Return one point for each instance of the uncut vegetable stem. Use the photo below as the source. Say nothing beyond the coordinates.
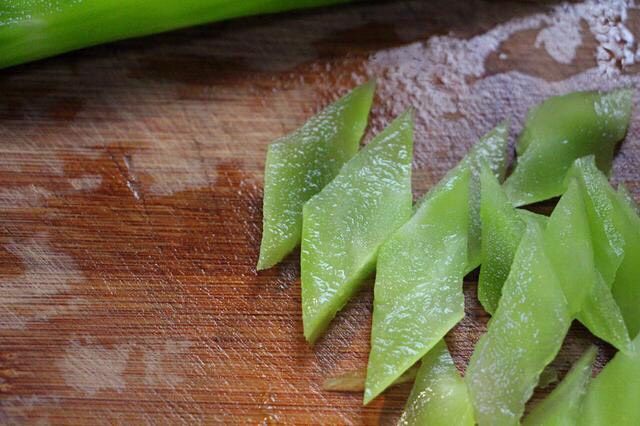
(31, 30)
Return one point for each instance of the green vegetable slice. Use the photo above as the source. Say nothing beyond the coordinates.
(353, 381)
(439, 395)
(532, 217)
(524, 335)
(601, 315)
(626, 290)
(491, 150)
(560, 130)
(608, 241)
(418, 291)
(624, 195)
(616, 250)
(568, 246)
(562, 406)
(502, 229)
(612, 397)
(345, 224)
(299, 165)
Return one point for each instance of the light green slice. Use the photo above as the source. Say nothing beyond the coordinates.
(524, 335)
(439, 396)
(626, 196)
(418, 291)
(299, 165)
(570, 248)
(608, 240)
(602, 316)
(611, 309)
(626, 286)
(613, 396)
(560, 130)
(502, 228)
(490, 150)
(345, 224)
(562, 406)
(568, 245)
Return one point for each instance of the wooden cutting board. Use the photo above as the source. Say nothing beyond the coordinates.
(131, 192)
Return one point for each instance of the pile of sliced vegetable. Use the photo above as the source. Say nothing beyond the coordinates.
(352, 213)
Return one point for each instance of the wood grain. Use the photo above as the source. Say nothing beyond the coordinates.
(130, 212)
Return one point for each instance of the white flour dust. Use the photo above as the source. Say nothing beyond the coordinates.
(91, 368)
(444, 78)
(47, 273)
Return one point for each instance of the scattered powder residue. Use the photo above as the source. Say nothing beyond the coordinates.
(86, 183)
(162, 367)
(617, 47)
(15, 410)
(91, 368)
(444, 79)
(562, 37)
(23, 197)
(27, 297)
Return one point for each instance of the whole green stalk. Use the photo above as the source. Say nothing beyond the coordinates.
(34, 29)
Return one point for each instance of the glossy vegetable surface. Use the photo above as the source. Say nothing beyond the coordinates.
(439, 396)
(626, 286)
(418, 291)
(616, 251)
(626, 197)
(32, 29)
(608, 241)
(562, 406)
(569, 244)
(612, 397)
(524, 335)
(502, 229)
(560, 130)
(299, 165)
(345, 224)
(490, 150)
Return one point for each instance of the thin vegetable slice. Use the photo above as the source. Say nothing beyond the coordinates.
(502, 229)
(490, 150)
(560, 130)
(353, 381)
(602, 316)
(616, 243)
(345, 224)
(626, 288)
(612, 397)
(299, 165)
(418, 291)
(608, 241)
(570, 248)
(562, 406)
(568, 245)
(624, 195)
(439, 395)
(524, 335)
